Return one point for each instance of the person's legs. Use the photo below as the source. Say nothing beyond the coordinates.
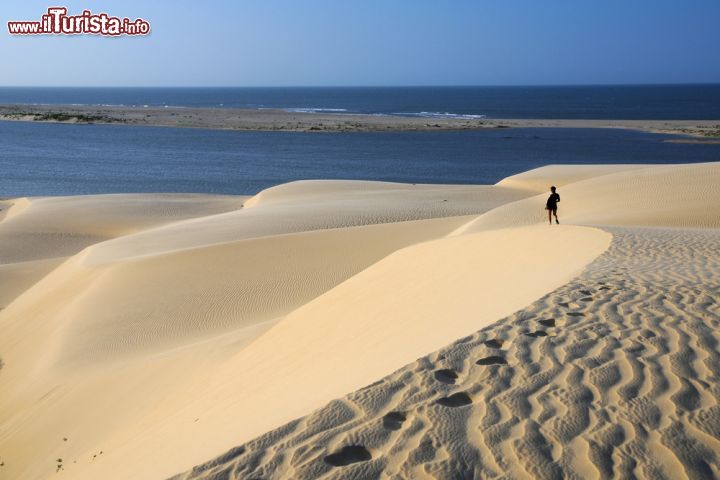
(549, 216)
(556, 219)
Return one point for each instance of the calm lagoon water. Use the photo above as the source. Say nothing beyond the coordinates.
(57, 159)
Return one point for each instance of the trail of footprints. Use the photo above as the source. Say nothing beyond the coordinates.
(613, 375)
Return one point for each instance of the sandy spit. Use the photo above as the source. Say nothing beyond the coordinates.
(281, 120)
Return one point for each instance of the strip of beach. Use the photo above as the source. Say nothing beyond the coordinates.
(354, 330)
(283, 120)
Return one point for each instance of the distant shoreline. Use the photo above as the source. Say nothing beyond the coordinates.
(281, 120)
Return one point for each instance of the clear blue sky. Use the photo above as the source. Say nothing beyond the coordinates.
(374, 42)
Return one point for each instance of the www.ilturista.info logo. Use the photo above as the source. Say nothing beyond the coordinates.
(57, 22)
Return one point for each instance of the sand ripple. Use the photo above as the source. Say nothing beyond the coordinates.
(612, 375)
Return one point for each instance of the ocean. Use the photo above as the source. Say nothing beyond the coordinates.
(58, 159)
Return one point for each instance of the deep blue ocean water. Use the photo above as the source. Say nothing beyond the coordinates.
(58, 159)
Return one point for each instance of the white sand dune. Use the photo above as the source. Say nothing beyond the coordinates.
(116, 311)
(143, 335)
(17, 277)
(312, 205)
(51, 227)
(37, 234)
(548, 395)
(540, 179)
(163, 291)
(668, 196)
(613, 375)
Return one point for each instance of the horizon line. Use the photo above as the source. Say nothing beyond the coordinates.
(548, 85)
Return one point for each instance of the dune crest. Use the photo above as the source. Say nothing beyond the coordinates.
(144, 334)
(609, 376)
(113, 293)
(540, 179)
(661, 196)
(12, 207)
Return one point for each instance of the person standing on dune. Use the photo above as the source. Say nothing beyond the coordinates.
(551, 205)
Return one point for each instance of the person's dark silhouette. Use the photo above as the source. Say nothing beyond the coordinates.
(551, 205)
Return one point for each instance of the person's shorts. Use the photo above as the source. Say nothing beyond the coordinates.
(552, 209)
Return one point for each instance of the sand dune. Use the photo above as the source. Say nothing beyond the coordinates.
(540, 179)
(61, 226)
(143, 335)
(210, 400)
(116, 312)
(311, 205)
(602, 378)
(172, 297)
(667, 196)
(38, 234)
(613, 375)
(15, 278)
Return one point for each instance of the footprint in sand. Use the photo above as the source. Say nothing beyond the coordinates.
(586, 299)
(495, 343)
(648, 334)
(586, 292)
(550, 322)
(455, 400)
(575, 314)
(492, 360)
(394, 420)
(348, 455)
(446, 376)
(537, 333)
